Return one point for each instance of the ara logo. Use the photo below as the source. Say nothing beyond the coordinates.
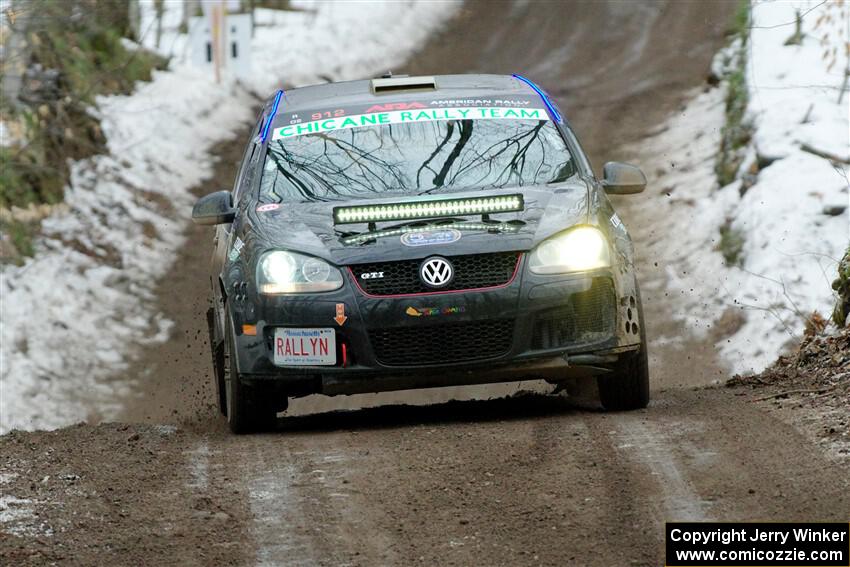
(395, 106)
(371, 275)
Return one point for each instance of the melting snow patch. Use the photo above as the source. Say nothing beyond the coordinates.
(18, 518)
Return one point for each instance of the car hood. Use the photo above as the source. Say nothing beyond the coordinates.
(309, 227)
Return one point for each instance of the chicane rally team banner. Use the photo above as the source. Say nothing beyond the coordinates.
(404, 113)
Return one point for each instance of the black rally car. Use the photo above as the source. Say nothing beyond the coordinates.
(408, 232)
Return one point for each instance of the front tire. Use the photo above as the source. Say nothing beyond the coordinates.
(217, 348)
(248, 410)
(627, 388)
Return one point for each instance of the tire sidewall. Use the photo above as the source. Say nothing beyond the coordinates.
(232, 387)
(628, 387)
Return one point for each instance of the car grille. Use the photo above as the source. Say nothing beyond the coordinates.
(472, 271)
(435, 344)
(587, 317)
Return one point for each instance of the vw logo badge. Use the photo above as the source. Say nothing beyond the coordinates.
(436, 272)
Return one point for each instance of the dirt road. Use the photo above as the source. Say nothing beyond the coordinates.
(519, 481)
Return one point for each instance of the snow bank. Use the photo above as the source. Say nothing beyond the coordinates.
(72, 315)
(791, 246)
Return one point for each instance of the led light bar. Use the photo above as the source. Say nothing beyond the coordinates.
(428, 209)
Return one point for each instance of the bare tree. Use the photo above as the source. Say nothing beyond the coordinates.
(159, 9)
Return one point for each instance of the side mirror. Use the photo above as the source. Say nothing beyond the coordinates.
(215, 208)
(622, 179)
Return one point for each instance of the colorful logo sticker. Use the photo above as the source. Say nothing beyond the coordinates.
(434, 311)
(430, 237)
(268, 207)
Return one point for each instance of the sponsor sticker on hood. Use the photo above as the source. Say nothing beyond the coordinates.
(430, 237)
(268, 207)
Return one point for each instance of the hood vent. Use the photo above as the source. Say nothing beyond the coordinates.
(401, 84)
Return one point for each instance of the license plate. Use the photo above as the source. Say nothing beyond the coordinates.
(304, 347)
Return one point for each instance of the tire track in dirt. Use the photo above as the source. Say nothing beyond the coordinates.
(525, 480)
(274, 508)
(444, 484)
(651, 448)
(116, 494)
(305, 509)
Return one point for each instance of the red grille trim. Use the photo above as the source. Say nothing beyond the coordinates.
(396, 295)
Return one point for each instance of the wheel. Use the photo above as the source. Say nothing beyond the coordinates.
(627, 388)
(248, 409)
(217, 350)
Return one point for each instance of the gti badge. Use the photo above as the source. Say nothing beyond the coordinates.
(371, 275)
(436, 272)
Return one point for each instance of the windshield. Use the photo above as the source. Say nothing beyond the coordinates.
(415, 158)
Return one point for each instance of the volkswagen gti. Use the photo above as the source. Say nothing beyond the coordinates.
(411, 232)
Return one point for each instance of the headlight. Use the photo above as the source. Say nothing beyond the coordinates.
(289, 272)
(579, 249)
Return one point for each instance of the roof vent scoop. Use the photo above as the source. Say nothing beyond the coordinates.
(401, 83)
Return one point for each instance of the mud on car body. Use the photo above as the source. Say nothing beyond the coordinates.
(409, 232)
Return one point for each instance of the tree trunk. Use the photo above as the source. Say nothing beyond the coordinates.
(159, 8)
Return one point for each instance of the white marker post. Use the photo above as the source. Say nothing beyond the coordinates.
(221, 40)
(218, 32)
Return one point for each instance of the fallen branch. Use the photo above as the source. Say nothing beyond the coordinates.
(789, 392)
(828, 391)
(825, 155)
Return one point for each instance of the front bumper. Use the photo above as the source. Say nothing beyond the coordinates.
(552, 327)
